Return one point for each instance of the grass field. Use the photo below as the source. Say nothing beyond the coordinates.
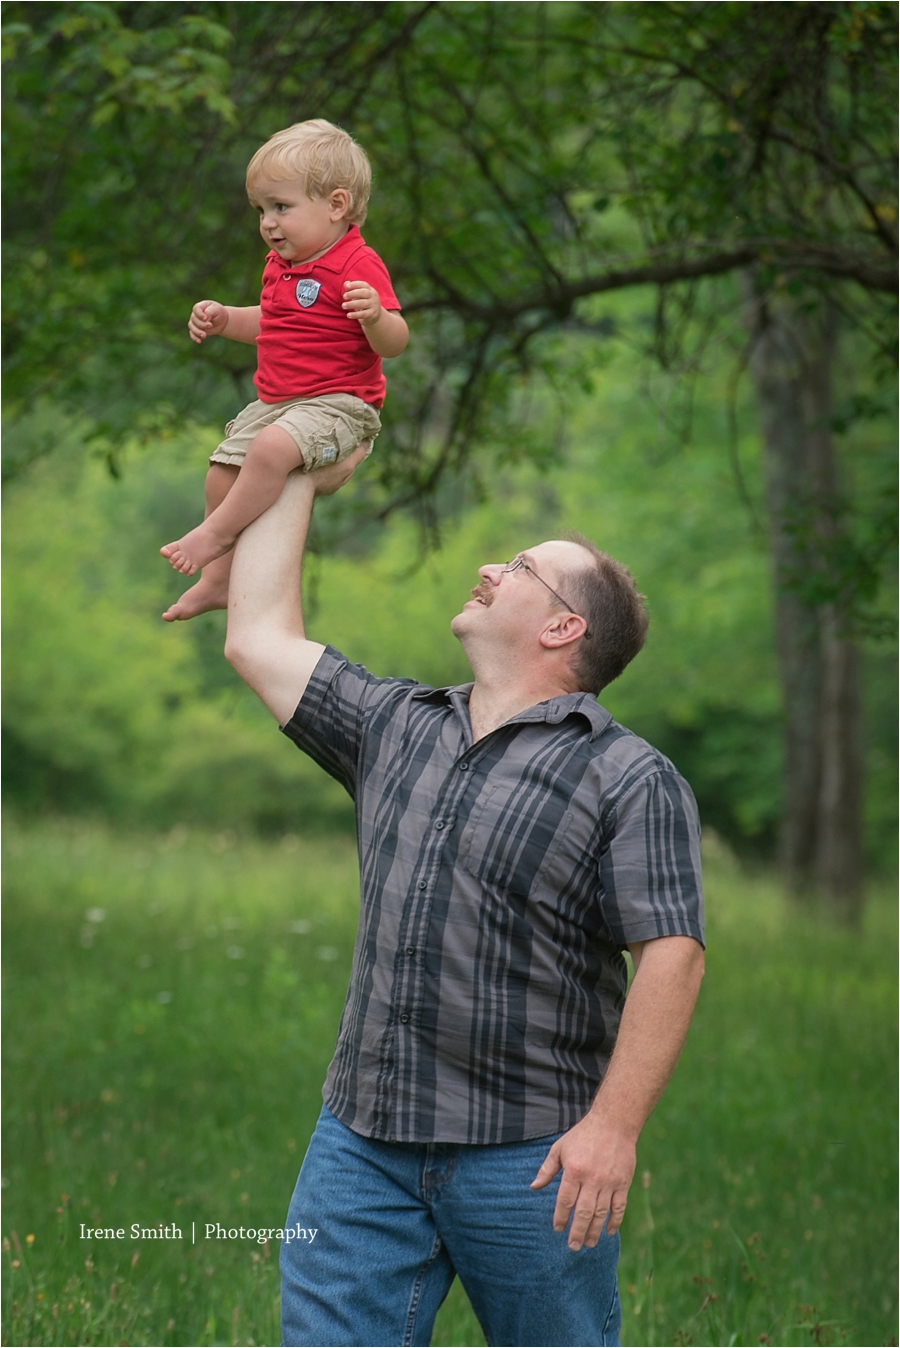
(171, 1006)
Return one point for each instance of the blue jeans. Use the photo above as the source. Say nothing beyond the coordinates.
(395, 1221)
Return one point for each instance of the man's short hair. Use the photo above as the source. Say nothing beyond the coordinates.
(605, 595)
(321, 157)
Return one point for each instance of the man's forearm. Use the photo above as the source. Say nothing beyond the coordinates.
(266, 642)
(598, 1155)
(652, 1032)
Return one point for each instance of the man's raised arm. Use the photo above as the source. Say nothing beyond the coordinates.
(266, 642)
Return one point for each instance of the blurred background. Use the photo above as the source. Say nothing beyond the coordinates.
(647, 254)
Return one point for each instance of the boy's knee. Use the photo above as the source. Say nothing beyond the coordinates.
(275, 448)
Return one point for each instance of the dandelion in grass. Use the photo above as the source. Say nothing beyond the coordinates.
(163, 998)
(327, 952)
(301, 927)
(235, 952)
(144, 961)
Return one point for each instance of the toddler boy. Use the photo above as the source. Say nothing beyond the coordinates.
(327, 314)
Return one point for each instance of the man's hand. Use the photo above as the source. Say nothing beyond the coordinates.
(208, 319)
(598, 1167)
(597, 1156)
(330, 479)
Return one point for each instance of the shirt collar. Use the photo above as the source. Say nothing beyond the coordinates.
(334, 260)
(553, 712)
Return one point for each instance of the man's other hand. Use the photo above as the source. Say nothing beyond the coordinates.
(329, 480)
(598, 1167)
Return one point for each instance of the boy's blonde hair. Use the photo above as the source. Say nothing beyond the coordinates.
(321, 157)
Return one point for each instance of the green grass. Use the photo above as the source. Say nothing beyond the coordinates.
(164, 1063)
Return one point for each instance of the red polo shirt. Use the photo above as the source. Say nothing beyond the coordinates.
(307, 346)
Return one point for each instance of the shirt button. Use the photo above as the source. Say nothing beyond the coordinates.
(423, 884)
(410, 950)
(404, 1019)
(463, 767)
(439, 824)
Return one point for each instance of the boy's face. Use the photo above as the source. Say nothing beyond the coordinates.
(299, 228)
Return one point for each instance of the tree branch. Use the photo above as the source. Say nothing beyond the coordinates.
(560, 298)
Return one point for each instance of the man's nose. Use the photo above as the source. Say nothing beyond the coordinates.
(491, 572)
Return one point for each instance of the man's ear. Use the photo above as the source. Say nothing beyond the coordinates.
(563, 631)
(339, 202)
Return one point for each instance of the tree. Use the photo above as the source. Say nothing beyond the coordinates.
(530, 159)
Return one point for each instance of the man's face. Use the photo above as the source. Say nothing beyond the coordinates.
(514, 607)
(298, 228)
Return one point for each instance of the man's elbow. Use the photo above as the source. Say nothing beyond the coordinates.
(240, 655)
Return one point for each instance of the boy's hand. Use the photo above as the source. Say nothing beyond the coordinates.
(208, 319)
(384, 329)
(361, 302)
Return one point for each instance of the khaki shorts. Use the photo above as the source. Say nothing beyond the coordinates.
(325, 429)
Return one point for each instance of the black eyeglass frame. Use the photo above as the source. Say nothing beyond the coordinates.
(520, 564)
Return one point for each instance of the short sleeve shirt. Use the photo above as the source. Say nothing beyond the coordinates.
(307, 346)
(500, 883)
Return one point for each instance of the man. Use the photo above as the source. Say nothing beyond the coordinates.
(514, 840)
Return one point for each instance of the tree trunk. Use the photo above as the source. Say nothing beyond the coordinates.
(821, 837)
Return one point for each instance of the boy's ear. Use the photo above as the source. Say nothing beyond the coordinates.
(339, 201)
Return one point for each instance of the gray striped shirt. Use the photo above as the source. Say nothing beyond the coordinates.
(500, 882)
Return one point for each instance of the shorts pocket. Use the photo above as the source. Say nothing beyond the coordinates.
(337, 442)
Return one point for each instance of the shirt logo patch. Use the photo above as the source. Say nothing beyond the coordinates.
(308, 292)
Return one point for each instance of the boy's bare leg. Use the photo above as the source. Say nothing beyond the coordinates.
(270, 458)
(211, 590)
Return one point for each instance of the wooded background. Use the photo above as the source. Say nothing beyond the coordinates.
(648, 256)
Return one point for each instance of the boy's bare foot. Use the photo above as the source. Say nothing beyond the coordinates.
(200, 598)
(197, 549)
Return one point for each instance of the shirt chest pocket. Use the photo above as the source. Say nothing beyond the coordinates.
(510, 847)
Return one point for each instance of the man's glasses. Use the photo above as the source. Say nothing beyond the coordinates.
(520, 564)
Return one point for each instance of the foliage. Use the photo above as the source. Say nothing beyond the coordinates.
(102, 714)
(171, 1005)
(528, 157)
